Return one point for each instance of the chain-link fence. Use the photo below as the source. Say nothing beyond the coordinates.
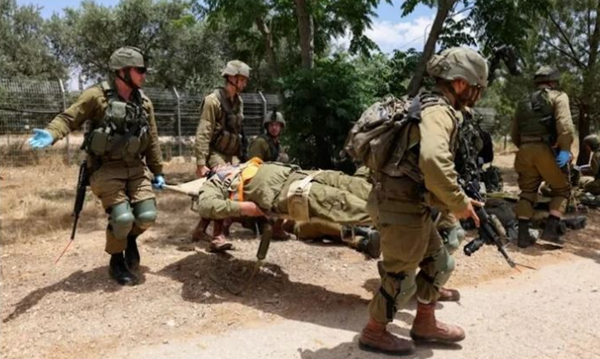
(28, 104)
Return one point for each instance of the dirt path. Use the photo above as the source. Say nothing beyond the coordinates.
(551, 313)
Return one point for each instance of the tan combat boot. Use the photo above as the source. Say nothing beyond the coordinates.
(218, 242)
(375, 338)
(426, 328)
(200, 231)
(449, 295)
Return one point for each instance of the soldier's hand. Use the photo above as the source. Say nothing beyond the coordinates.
(469, 212)
(40, 139)
(250, 209)
(202, 171)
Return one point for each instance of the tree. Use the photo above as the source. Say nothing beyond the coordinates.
(570, 37)
(24, 51)
(177, 46)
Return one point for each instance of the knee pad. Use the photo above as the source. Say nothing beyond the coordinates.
(397, 289)
(453, 237)
(121, 219)
(438, 268)
(145, 213)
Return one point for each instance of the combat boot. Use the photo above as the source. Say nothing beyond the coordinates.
(118, 270)
(426, 328)
(370, 244)
(375, 338)
(552, 231)
(449, 295)
(218, 242)
(525, 238)
(132, 254)
(200, 231)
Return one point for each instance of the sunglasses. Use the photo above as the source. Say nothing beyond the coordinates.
(140, 70)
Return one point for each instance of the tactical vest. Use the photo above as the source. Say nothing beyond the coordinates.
(274, 148)
(227, 135)
(123, 133)
(469, 144)
(535, 116)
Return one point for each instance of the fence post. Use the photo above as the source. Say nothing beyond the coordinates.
(179, 135)
(264, 100)
(64, 107)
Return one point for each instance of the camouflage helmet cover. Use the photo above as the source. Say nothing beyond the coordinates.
(236, 67)
(592, 141)
(274, 117)
(127, 56)
(546, 74)
(459, 63)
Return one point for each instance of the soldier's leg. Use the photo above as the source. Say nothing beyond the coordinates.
(561, 192)
(529, 182)
(452, 235)
(335, 205)
(109, 184)
(358, 186)
(436, 268)
(143, 203)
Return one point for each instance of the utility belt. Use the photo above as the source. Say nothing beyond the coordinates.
(227, 143)
(297, 198)
(535, 139)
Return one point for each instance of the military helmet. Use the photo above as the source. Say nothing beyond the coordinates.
(593, 141)
(127, 56)
(459, 63)
(236, 67)
(274, 116)
(546, 74)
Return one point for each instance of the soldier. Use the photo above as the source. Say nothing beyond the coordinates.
(266, 146)
(401, 207)
(542, 129)
(255, 188)
(219, 138)
(123, 149)
(592, 185)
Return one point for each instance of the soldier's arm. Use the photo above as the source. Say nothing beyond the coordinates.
(210, 111)
(564, 123)
(153, 153)
(594, 165)
(87, 107)
(214, 204)
(514, 132)
(259, 148)
(436, 160)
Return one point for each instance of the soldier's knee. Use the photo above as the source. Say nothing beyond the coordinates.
(397, 289)
(453, 237)
(145, 213)
(442, 265)
(121, 219)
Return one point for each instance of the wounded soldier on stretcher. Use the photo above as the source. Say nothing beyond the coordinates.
(321, 201)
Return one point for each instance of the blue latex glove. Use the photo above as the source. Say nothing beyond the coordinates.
(562, 158)
(158, 182)
(40, 139)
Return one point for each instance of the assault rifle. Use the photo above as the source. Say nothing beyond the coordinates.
(83, 180)
(489, 233)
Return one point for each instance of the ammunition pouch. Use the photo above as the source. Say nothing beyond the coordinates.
(228, 143)
(297, 199)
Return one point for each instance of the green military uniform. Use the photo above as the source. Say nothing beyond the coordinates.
(402, 200)
(330, 196)
(123, 176)
(265, 146)
(219, 134)
(591, 184)
(535, 161)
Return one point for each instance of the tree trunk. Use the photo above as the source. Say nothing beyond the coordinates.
(589, 83)
(270, 51)
(306, 33)
(444, 7)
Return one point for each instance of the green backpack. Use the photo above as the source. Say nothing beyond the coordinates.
(374, 136)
